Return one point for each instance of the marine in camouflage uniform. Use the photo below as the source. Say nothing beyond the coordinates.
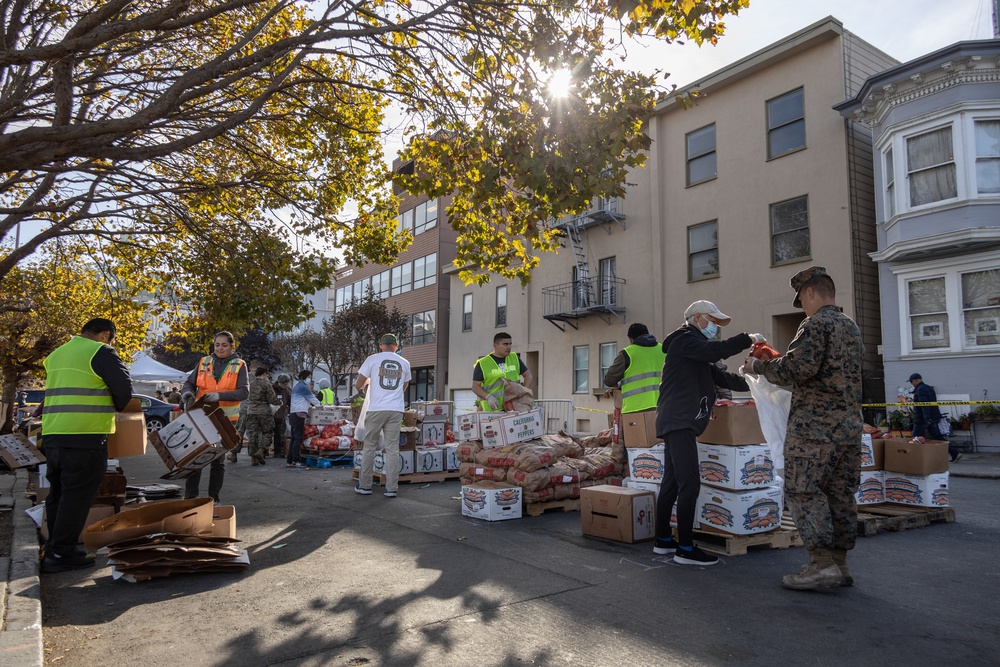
(259, 419)
(822, 445)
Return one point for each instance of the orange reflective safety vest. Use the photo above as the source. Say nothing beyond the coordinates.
(207, 383)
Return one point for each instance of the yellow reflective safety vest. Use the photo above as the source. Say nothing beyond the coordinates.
(493, 377)
(77, 400)
(326, 396)
(207, 383)
(641, 383)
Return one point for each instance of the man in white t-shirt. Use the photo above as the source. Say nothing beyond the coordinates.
(387, 375)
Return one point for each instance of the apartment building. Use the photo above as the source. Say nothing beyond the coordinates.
(936, 132)
(760, 179)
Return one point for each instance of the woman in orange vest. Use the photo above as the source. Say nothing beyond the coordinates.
(221, 378)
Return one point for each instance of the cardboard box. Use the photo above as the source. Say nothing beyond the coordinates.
(17, 451)
(733, 425)
(224, 521)
(920, 490)
(187, 517)
(130, 437)
(328, 414)
(409, 437)
(410, 418)
(642, 485)
(639, 428)
(740, 512)
(871, 491)
(616, 513)
(98, 512)
(428, 459)
(405, 462)
(735, 468)
(491, 501)
(914, 458)
(194, 440)
(467, 426)
(872, 453)
(431, 433)
(510, 428)
(646, 464)
(357, 459)
(434, 411)
(450, 456)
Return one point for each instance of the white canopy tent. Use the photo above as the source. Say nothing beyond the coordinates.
(146, 369)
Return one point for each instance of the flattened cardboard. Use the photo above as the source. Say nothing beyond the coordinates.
(16, 451)
(620, 514)
(129, 437)
(733, 425)
(911, 458)
(189, 517)
(639, 429)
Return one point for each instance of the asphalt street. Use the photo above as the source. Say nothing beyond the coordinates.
(342, 579)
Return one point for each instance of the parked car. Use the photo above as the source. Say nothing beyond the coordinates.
(157, 412)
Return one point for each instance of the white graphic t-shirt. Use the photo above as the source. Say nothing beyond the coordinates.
(387, 373)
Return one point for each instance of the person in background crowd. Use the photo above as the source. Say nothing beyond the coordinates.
(159, 396)
(302, 398)
(86, 384)
(259, 418)
(325, 394)
(22, 404)
(489, 372)
(636, 370)
(221, 378)
(284, 394)
(687, 394)
(822, 452)
(387, 375)
(174, 396)
(926, 419)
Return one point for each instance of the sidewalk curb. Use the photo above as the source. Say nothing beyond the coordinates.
(976, 475)
(21, 633)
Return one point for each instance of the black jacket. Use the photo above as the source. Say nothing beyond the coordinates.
(687, 389)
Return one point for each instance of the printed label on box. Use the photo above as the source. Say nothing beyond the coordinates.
(646, 464)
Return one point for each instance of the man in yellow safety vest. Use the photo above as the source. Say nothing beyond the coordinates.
(489, 372)
(637, 370)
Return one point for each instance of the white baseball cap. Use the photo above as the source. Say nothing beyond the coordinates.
(706, 308)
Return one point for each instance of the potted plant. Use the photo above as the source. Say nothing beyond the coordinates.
(961, 423)
(986, 413)
(901, 423)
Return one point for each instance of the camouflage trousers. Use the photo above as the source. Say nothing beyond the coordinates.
(821, 480)
(260, 429)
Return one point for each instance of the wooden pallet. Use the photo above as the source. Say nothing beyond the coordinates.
(727, 544)
(871, 518)
(568, 505)
(413, 477)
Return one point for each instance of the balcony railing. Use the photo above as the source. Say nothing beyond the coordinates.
(601, 211)
(580, 298)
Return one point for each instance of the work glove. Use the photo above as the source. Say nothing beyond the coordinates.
(609, 392)
(748, 366)
(493, 401)
(758, 338)
(212, 397)
(187, 398)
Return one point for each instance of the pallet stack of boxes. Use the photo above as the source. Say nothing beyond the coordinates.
(915, 474)
(506, 460)
(329, 434)
(426, 441)
(871, 489)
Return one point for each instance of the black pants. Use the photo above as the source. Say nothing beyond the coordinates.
(279, 437)
(298, 425)
(931, 431)
(74, 477)
(681, 482)
(216, 474)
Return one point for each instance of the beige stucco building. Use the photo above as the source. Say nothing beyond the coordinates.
(761, 178)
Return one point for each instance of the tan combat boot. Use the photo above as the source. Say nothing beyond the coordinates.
(840, 558)
(821, 572)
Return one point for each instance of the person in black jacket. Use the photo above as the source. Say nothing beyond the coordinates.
(687, 394)
(927, 418)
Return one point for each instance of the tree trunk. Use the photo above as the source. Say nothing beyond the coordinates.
(9, 398)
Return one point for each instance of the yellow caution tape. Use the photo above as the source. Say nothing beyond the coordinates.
(607, 412)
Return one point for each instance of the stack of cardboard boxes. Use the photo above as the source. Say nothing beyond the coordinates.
(426, 441)
(902, 472)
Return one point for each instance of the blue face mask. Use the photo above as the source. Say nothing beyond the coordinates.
(710, 330)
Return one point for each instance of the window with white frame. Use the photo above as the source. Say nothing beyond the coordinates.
(890, 186)
(930, 167)
(380, 284)
(786, 124)
(402, 278)
(425, 271)
(608, 353)
(405, 221)
(701, 163)
(422, 327)
(425, 216)
(988, 157)
(703, 250)
(466, 312)
(581, 369)
(501, 320)
(952, 308)
(790, 231)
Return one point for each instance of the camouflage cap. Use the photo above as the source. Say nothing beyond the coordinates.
(803, 276)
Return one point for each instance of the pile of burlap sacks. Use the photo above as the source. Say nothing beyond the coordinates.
(553, 467)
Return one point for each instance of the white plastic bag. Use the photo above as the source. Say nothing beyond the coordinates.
(359, 428)
(773, 404)
(945, 427)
